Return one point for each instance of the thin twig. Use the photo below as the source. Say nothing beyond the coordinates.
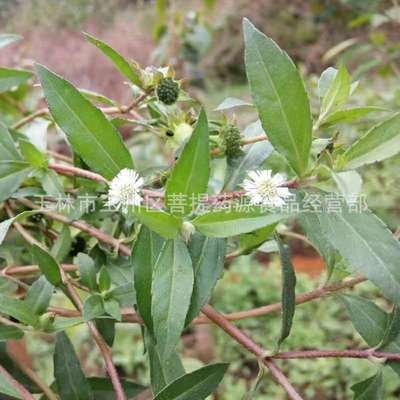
(23, 232)
(30, 118)
(30, 373)
(309, 354)
(81, 225)
(254, 139)
(253, 347)
(25, 394)
(101, 344)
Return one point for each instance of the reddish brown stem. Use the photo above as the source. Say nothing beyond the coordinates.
(17, 386)
(309, 354)
(253, 347)
(101, 344)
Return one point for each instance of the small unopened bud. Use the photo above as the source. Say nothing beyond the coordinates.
(187, 230)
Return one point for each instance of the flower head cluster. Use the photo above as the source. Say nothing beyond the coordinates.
(266, 189)
(125, 190)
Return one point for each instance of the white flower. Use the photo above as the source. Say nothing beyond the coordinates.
(266, 189)
(125, 190)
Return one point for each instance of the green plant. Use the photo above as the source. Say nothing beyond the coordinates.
(138, 231)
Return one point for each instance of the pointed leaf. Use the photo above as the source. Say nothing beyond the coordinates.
(208, 264)
(71, 382)
(162, 371)
(382, 141)
(12, 77)
(103, 389)
(8, 389)
(87, 271)
(368, 245)
(230, 223)
(91, 135)
(12, 174)
(349, 115)
(8, 151)
(288, 297)
(6, 224)
(39, 295)
(17, 309)
(189, 177)
(10, 333)
(93, 307)
(171, 292)
(194, 386)
(123, 65)
(144, 256)
(369, 389)
(48, 265)
(161, 222)
(280, 97)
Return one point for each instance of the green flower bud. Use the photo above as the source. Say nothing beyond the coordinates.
(231, 139)
(168, 91)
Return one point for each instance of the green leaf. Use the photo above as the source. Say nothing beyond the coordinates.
(32, 154)
(93, 307)
(62, 245)
(12, 174)
(71, 382)
(106, 327)
(17, 309)
(10, 333)
(382, 141)
(104, 280)
(172, 288)
(87, 271)
(368, 245)
(111, 307)
(51, 184)
(349, 184)
(194, 386)
(280, 97)
(159, 221)
(225, 223)
(6, 224)
(103, 389)
(8, 151)
(126, 68)
(311, 225)
(337, 94)
(190, 175)
(144, 255)
(349, 115)
(325, 80)
(97, 97)
(39, 295)
(252, 240)
(48, 265)
(370, 322)
(8, 389)
(370, 388)
(91, 135)
(10, 78)
(162, 371)
(8, 38)
(288, 297)
(392, 328)
(207, 256)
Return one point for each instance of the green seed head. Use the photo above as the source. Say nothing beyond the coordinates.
(168, 91)
(231, 138)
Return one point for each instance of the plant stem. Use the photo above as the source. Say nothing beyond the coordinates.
(309, 354)
(20, 389)
(101, 344)
(254, 139)
(253, 347)
(30, 117)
